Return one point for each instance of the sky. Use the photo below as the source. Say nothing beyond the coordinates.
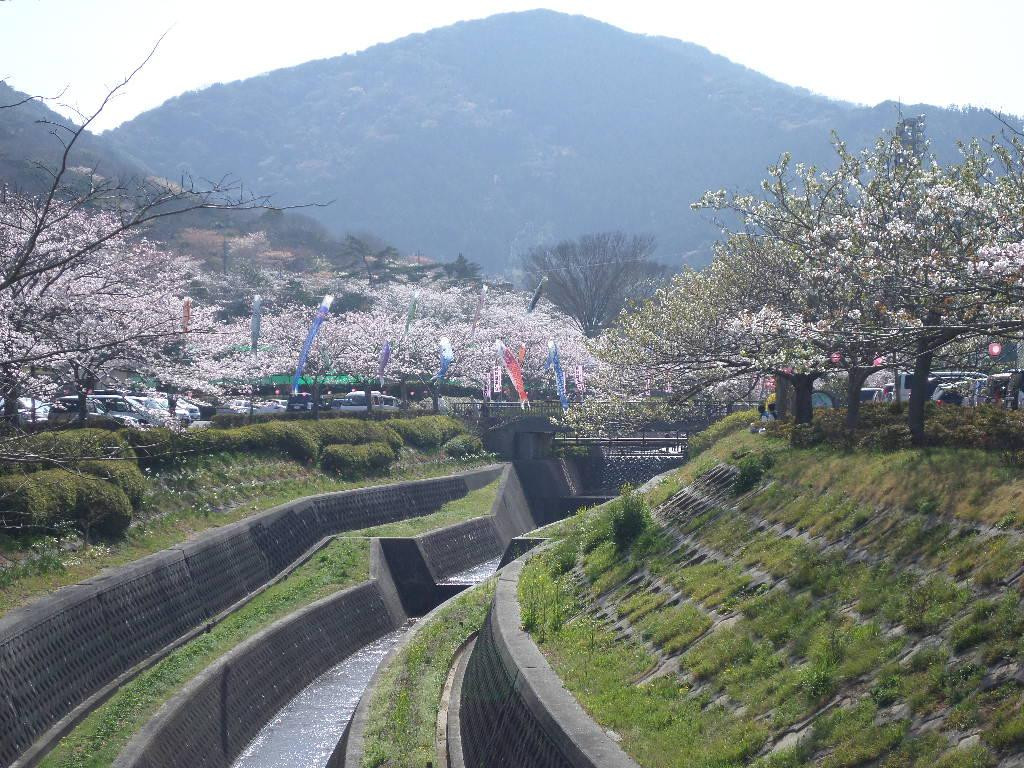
(941, 52)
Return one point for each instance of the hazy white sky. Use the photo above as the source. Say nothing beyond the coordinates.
(941, 52)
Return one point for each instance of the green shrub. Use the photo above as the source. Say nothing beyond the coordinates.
(427, 431)
(356, 461)
(126, 475)
(751, 469)
(461, 446)
(630, 516)
(103, 507)
(734, 422)
(293, 440)
(65, 447)
(894, 437)
(53, 497)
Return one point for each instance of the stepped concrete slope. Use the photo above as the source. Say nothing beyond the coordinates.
(209, 722)
(65, 653)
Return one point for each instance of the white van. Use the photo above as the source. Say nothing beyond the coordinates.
(356, 401)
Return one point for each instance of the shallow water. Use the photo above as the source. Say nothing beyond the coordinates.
(474, 575)
(305, 732)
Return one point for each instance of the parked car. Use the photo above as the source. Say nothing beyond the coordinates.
(122, 405)
(871, 394)
(356, 401)
(30, 409)
(234, 406)
(66, 409)
(303, 401)
(184, 411)
(159, 414)
(270, 406)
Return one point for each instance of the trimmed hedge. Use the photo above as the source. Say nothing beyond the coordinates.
(67, 446)
(883, 427)
(300, 440)
(51, 497)
(357, 461)
(427, 431)
(126, 475)
(461, 446)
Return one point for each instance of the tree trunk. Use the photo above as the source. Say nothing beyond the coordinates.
(434, 396)
(316, 399)
(919, 392)
(405, 393)
(803, 388)
(856, 379)
(83, 406)
(368, 389)
(781, 397)
(1014, 390)
(11, 403)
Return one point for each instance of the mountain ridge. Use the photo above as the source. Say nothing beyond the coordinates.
(488, 137)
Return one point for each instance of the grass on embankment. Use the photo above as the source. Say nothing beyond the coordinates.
(882, 630)
(204, 493)
(341, 564)
(403, 711)
(101, 736)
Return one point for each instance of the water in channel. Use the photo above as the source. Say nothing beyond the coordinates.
(304, 733)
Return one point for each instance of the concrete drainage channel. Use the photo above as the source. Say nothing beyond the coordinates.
(337, 642)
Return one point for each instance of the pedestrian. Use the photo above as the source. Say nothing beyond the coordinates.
(771, 412)
(172, 404)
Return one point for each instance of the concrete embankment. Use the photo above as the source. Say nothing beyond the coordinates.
(62, 655)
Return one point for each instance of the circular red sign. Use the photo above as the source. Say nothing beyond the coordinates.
(995, 349)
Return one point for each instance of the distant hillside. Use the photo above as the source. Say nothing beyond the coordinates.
(490, 136)
(28, 137)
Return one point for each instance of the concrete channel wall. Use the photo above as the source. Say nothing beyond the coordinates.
(63, 652)
(209, 722)
(513, 710)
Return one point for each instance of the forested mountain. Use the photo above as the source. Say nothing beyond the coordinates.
(490, 136)
(29, 136)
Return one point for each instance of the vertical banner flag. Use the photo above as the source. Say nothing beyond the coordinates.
(382, 361)
(580, 385)
(515, 373)
(412, 311)
(496, 380)
(186, 314)
(447, 357)
(479, 309)
(321, 314)
(537, 293)
(257, 319)
(485, 387)
(554, 363)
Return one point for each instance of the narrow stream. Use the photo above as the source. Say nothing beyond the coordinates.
(304, 733)
(474, 575)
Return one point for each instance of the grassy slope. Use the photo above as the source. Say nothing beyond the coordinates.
(343, 563)
(403, 711)
(855, 601)
(182, 501)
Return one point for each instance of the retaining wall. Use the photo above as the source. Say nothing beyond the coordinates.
(63, 651)
(212, 719)
(513, 710)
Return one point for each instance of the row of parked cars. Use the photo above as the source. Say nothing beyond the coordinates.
(130, 409)
(154, 408)
(947, 388)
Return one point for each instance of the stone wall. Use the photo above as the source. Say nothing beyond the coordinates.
(514, 711)
(65, 651)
